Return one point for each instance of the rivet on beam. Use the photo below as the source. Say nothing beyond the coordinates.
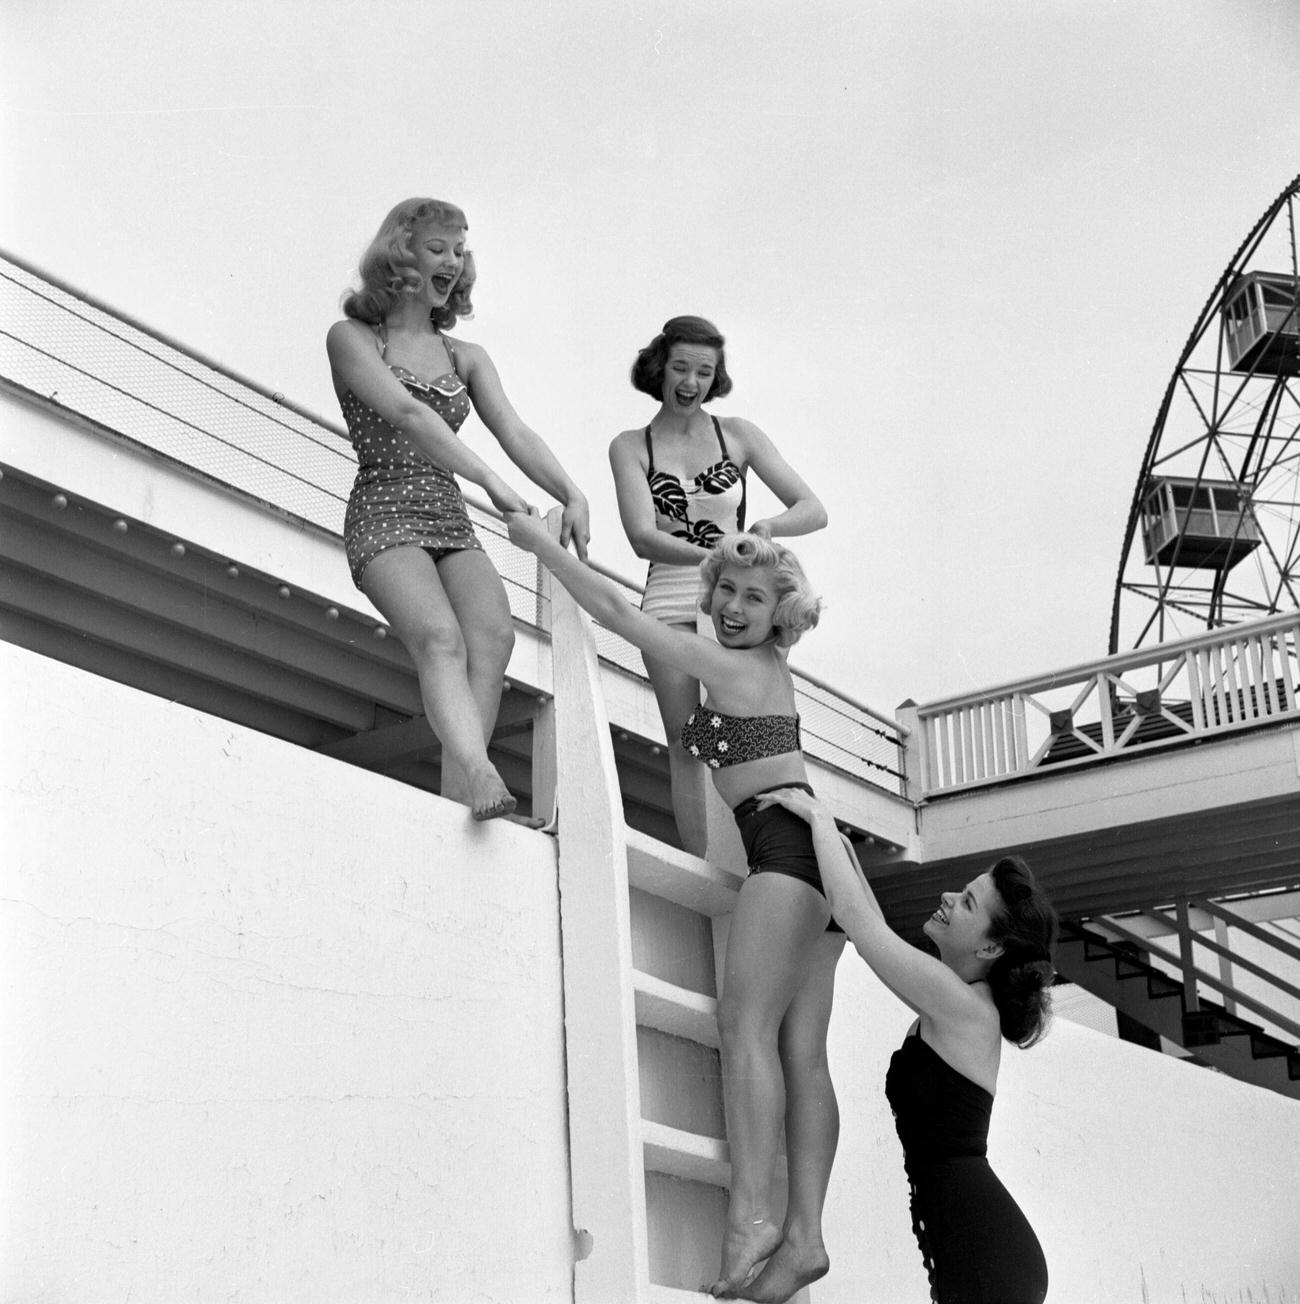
(233, 571)
(622, 737)
(178, 549)
(331, 613)
(284, 591)
(380, 632)
(60, 501)
(506, 686)
(120, 526)
(656, 750)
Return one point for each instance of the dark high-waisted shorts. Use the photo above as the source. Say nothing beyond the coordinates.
(777, 841)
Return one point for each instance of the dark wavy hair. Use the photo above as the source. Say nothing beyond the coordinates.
(652, 361)
(387, 268)
(1025, 924)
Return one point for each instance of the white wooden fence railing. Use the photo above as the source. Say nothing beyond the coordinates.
(1238, 677)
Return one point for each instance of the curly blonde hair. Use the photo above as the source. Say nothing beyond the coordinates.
(387, 268)
(798, 608)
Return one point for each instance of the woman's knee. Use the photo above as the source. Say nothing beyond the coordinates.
(490, 643)
(745, 1023)
(435, 642)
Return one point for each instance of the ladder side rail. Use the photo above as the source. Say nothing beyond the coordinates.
(607, 1175)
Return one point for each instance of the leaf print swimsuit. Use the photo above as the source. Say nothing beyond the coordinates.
(399, 496)
(701, 511)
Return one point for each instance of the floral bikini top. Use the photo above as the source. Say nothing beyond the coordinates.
(710, 505)
(718, 740)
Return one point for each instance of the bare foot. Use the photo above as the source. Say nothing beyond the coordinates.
(744, 1247)
(789, 1270)
(527, 821)
(488, 796)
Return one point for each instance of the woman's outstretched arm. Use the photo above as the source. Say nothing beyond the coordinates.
(919, 980)
(601, 598)
(524, 446)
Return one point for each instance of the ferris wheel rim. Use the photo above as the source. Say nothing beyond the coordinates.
(1213, 305)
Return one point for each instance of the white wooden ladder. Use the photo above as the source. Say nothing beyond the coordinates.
(643, 926)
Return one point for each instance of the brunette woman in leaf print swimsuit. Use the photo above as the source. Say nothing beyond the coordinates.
(405, 388)
(681, 487)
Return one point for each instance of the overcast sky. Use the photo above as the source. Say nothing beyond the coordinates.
(956, 246)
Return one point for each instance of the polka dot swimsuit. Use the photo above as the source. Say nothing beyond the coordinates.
(399, 496)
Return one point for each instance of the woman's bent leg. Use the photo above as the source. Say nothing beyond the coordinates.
(678, 695)
(404, 584)
(774, 928)
(812, 1129)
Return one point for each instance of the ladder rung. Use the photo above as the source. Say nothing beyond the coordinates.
(666, 872)
(672, 1295)
(675, 1010)
(685, 1154)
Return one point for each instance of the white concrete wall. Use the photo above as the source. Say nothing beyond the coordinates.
(1148, 1180)
(275, 1029)
(279, 1030)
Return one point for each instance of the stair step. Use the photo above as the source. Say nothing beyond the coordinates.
(664, 871)
(1264, 1045)
(675, 1010)
(1200, 1028)
(1160, 986)
(685, 1154)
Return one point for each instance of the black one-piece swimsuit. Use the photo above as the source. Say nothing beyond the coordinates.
(977, 1245)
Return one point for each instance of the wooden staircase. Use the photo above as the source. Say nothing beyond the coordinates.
(1107, 958)
(643, 932)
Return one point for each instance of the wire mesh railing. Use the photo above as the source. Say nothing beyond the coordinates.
(64, 347)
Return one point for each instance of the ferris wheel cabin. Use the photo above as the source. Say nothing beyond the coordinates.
(1204, 523)
(1261, 324)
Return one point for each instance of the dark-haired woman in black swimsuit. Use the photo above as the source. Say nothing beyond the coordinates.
(681, 487)
(779, 975)
(990, 982)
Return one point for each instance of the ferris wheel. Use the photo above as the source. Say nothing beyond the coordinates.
(1213, 535)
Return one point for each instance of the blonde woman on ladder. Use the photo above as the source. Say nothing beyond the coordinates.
(779, 976)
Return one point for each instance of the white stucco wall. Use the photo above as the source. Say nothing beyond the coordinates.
(279, 1030)
(274, 1029)
(1148, 1180)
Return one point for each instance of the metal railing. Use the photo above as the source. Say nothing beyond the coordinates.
(68, 349)
(1225, 680)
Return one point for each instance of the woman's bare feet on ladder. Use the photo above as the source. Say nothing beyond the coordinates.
(488, 795)
(792, 1267)
(744, 1247)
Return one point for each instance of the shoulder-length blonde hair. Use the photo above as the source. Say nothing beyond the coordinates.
(798, 608)
(387, 268)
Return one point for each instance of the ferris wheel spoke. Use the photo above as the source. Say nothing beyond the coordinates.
(1213, 534)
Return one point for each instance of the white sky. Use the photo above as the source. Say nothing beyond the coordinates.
(956, 246)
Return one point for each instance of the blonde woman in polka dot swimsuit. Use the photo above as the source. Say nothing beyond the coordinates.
(405, 388)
